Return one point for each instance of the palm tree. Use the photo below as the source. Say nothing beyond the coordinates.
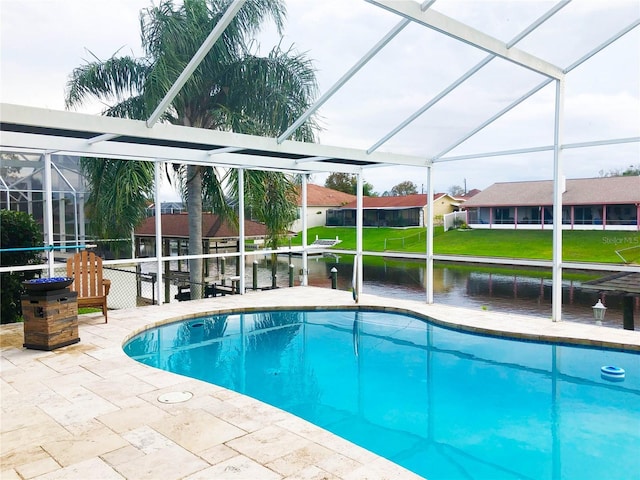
(118, 186)
(274, 202)
(232, 89)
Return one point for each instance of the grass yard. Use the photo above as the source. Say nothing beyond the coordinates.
(580, 246)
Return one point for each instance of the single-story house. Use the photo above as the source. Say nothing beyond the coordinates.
(175, 233)
(607, 203)
(319, 201)
(400, 211)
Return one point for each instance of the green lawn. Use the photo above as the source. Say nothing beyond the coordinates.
(581, 246)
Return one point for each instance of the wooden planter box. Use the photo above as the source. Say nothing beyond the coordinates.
(50, 319)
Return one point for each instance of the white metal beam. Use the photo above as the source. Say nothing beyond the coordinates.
(101, 138)
(305, 257)
(472, 71)
(488, 122)
(344, 79)
(48, 213)
(218, 151)
(464, 33)
(600, 143)
(430, 210)
(311, 159)
(546, 148)
(558, 190)
(602, 46)
(515, 151)
(68, 146)
(426, 4)
(157, 179)
(195, 61)
(91, 125)
(357, 264)
(242, 257)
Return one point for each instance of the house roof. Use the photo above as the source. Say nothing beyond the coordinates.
(580, 191)
(468, 195)
(417, 200)
(318, 196)
(176, 225)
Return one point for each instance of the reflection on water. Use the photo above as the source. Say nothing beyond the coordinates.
(528, 294)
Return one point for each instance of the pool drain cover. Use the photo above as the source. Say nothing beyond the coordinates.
(175, 397)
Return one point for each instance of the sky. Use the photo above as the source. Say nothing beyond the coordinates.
(42, 41)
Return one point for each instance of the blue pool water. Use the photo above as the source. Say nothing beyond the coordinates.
(442, 403)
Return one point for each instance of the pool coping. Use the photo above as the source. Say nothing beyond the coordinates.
(88, 410)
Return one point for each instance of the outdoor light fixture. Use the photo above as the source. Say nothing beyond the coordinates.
(598, 312)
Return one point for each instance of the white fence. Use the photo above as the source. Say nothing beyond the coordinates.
(451, 220)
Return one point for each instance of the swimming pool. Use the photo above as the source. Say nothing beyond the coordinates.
(442, 403)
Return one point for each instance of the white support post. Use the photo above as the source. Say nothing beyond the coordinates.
(305, 258)
(157, 166)
(429, 266)
(242, 256)
(556, 294)
(359, 224)
(29, 196)
(62, 227)
(8, 195)
(82, 234)
(75, 218)
(48, 209)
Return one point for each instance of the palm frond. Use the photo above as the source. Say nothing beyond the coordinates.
(120, 191)
(113, 80)
(215, 184)
(273, 200)
(267, 94)
(232, 89)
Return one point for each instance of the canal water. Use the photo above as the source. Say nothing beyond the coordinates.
(500, 290)
(521, 291)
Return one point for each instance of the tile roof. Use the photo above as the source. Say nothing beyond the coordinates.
(581, 191)
(318, 196)
(417, 200)
(466, 196)
(177, 226)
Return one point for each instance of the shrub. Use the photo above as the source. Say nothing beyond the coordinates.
(17, 229)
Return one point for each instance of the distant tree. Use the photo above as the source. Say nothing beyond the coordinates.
(630, 171)
(348, 183)
(456, 190)
(342, 182)
(367, 190)
(404, 188)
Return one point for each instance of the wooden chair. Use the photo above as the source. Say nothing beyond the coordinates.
(86, 270)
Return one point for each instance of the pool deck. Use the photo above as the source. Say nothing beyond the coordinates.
(87, 411)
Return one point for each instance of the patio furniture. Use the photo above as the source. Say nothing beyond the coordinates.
(50, 313)
(86, 270)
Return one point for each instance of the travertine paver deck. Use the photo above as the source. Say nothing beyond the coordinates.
(88, 411)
